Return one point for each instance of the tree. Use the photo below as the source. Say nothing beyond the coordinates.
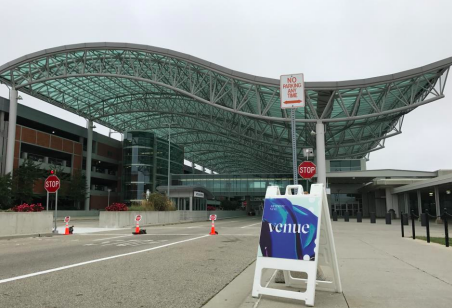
(161, 202)
(76, 190)
(23, 181)
(5, 191)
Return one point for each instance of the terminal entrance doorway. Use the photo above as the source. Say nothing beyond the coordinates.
(351, 207)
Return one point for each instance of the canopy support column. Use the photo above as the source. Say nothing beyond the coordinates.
(438, 206)
(89, 151)
(320, 152)
(11, 131)
(419, 203)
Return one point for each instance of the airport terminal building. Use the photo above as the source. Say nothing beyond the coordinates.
(224, 120)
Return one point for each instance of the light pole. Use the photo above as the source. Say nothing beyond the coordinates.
(169, 158)
(108, 202)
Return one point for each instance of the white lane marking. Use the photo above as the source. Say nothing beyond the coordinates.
(96, 260)
(94, 234)
(197, 227)
(260, 296)
(232, 234)
(109, 238)
(250, 225)
(169, 234)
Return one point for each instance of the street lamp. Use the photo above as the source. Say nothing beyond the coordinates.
(169, 157)
(108, 202)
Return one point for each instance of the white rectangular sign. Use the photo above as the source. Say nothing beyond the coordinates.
(198, 194)
(292, 91)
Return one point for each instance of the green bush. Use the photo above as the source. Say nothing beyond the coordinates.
(156, 202)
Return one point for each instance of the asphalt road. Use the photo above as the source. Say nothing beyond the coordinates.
(171, 266)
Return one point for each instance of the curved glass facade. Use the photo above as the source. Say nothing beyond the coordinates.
(145, 162)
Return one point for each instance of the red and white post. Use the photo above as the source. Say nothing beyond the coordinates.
(137, 226)
(66, 220)
(212, 230)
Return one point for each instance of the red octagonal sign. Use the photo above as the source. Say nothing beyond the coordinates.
(52, 184)
(306, 169)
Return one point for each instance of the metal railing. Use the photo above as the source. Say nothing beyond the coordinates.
(427, 216)
(404, 218)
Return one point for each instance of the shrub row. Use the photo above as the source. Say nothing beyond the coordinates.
(28, 208)
(117, 207)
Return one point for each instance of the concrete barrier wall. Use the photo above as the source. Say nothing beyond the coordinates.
(13, 223)
(127, 219)
(77, 213)
(228, 214)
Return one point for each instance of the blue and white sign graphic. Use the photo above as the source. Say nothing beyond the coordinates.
(289, 228)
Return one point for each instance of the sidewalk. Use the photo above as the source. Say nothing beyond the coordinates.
(378, 268)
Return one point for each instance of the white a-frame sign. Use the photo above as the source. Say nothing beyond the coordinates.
(296, 236)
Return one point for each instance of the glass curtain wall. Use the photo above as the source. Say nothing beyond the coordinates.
(146, 163)
(176, 165)
(138, 148)
(234, 184)
(345, 165)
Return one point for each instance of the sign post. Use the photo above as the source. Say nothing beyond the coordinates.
(212, 229)
(292, 96)
(66, 220)
(307, 169)
(307, 152)
(51, 185)
(137, 226)
(296, 236)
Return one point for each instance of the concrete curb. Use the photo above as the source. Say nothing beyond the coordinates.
(237, 294)
(12, 237)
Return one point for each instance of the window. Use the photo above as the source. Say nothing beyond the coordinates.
(345, 165)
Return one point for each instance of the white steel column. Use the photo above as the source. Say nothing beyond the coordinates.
(11, 131)
(89, 151)
(388, 194)
(419, 203)
(438, 205)
(320, 152)
(406, 201)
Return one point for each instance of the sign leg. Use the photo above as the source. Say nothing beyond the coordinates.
(56, 212)
(294, 147)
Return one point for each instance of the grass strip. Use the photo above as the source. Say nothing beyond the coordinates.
(438, 240)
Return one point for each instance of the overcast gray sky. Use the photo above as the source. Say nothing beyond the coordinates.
(326, 40)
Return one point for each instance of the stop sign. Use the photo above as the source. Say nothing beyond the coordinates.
(306, 169)
(52, 184)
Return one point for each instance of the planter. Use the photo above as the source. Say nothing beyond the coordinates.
(16, 223)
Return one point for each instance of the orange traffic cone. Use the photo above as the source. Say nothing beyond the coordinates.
(137, 228)
(212, 230)
(66, 232)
